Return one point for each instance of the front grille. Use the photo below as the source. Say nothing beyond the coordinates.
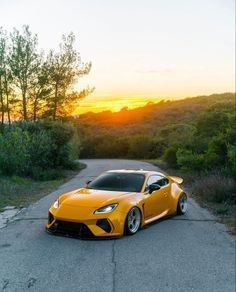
(71, 229)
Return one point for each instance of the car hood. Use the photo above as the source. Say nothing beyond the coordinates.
(92, 198)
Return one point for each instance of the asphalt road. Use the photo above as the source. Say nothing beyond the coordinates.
(183, 253)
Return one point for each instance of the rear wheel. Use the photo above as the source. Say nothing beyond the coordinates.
(133, 221)
(182, 204)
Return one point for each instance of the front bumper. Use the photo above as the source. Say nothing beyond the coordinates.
(82, 222)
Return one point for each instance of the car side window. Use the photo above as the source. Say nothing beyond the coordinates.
(152, 180)
(163, 182)
(157, 179)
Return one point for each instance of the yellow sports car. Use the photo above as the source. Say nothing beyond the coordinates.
(117, 202)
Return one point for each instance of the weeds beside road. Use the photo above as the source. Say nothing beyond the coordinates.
(20, 192)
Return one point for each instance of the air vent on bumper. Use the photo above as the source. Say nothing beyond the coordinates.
(104, 224)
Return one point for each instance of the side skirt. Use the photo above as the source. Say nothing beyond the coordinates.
(156, 217)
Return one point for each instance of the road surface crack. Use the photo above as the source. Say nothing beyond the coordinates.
(114, 267)
(31, 282)
(5, 284)
(31, 218)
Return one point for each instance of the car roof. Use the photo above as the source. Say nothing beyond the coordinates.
(141, 171)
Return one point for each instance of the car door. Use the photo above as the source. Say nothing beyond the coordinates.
(157, 202)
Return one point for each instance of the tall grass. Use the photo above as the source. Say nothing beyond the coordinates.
(215, 188)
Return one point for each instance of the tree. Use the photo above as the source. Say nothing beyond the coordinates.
(2, 71)
(140, 146)
(64, 69)
(212, 122)
(23, 62)
(40, 89)
(10, 98)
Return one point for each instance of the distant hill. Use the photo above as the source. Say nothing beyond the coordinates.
(151, 118)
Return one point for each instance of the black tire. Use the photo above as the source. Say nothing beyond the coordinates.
(182, 204)
(132, 227)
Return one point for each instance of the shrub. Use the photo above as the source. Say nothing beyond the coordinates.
(231, 153)
(178, 134)
(212, 122)
(75, 146)
(186, 159)
(40, 150)
(60, 134)
(121, 147)
(158, 146)
(140, 146)
(216, 154)
(14, 155)
(37, 149)
(170, 156)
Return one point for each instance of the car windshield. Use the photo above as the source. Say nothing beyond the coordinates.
(119, 182)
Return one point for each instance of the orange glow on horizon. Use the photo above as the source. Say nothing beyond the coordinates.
(112, 104)
(116, 103)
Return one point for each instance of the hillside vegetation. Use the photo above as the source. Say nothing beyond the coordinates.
(195, 133)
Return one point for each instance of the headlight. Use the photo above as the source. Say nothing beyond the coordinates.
(106, 209)
(56, 204)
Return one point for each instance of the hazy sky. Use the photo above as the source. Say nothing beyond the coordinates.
(141, 50)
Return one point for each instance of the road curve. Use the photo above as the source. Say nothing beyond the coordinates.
(187, 253)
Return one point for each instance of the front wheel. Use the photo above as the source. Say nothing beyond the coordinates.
(182, 204)
(133, 221)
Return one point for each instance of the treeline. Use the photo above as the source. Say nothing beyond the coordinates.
(36, 85)
(193, 134)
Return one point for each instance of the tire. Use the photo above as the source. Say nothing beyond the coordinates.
(182, 204)
(133, 221)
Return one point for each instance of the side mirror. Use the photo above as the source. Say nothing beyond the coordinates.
(153, 187)
(88, 182)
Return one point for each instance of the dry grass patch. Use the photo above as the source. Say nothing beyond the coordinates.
(20, 192)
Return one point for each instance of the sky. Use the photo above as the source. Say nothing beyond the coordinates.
(141, 50)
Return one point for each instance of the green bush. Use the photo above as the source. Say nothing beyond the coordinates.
(231, 153)
(178, 134)
(60, 135)
(188, 160)
(157, 148)
(38, 149)
(170, 156)
(216, 154)
(212, 122)
(75, 146)
(14, 154)
(140, 146)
